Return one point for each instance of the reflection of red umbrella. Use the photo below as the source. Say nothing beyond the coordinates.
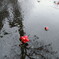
(24, 39)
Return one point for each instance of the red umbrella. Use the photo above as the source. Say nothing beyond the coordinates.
(46, 28)
(24, 39)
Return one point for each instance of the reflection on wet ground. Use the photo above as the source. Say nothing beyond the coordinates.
(3, 14)
(36, 50)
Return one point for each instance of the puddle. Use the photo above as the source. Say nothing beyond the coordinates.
(30, 17)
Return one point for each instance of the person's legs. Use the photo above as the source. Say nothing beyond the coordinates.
(25, 44)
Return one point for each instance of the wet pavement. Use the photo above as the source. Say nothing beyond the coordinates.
(29, 17)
